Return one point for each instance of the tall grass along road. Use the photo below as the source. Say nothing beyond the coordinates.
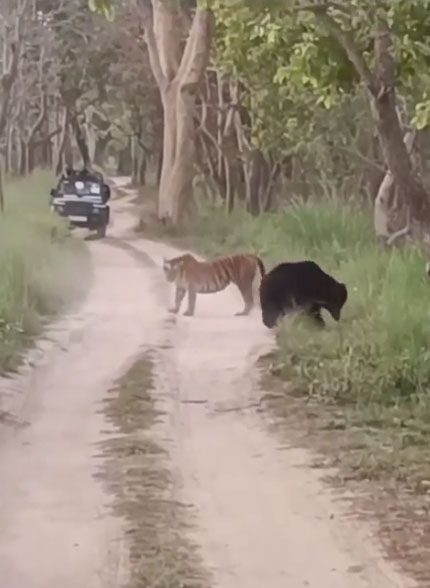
(42, 271)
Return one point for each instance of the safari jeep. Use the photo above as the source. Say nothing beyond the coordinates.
(83, 202)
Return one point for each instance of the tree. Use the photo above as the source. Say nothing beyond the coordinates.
(177, 68)
(129, 113)
(12, 36)
(380, 86)
(316, 54)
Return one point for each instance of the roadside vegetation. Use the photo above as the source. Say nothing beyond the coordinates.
(357, 392)
(42, 270)
(375, 362)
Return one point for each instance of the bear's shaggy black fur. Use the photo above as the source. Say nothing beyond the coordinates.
(301, 285)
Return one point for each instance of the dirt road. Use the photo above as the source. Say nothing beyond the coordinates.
(263, 517)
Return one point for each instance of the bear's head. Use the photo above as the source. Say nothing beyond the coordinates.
(270, 316)
(339, 295)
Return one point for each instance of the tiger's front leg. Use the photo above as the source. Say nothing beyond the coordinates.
(179, 296)
(192, 296)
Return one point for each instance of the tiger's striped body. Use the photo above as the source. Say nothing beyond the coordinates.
(208, 277)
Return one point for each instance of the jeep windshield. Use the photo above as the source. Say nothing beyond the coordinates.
(80, 188)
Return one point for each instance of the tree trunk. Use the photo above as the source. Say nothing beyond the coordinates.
(178, 154)
(23, 164)
(134, 161)
(100, 149)
(63, 144)
(382, 215)
(68, 151)
(271, 174)
(229, 186)
(9, 167)
(81, 140)
(177, 77)
(124, 158)
(138, 163)
(142, 169)
(396, 156)
(380, 87)
(1, 189)
(159, 165)
(46, 154)
(31, 158)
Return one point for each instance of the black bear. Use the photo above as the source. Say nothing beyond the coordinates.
(300, 285)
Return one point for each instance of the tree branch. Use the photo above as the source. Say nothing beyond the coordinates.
(196, 53)
(346, 41)
(48, 137)
(386, 67)
(146, 13)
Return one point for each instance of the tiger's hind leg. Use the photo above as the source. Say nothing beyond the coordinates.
(179, 296)
(248, 299)
(192, 296)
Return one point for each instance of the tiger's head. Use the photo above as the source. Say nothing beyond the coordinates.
(171, 268)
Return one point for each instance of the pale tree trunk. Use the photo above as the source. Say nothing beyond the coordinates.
(138, 162)
(383, 205)
(100, 149)
(89, 132)
(178, 169)
(10, 66)
(124, 158)
(62, 143)
(9, 167)
(178, 77)
(218, 140)
(81, 139)
(1, 189)
(134, 148)
(23, 166)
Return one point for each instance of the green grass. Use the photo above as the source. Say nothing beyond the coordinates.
(41, 268)
(358, 392)
(378, 351)
(374, 363)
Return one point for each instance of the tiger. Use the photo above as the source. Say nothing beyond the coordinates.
(207, 277)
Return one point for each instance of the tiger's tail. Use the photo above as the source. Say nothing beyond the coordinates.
(260, 272)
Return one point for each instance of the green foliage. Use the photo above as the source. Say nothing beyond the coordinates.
(284, 64)
(296, 71)
(104, 7)
(378, 352)
(42, 269)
